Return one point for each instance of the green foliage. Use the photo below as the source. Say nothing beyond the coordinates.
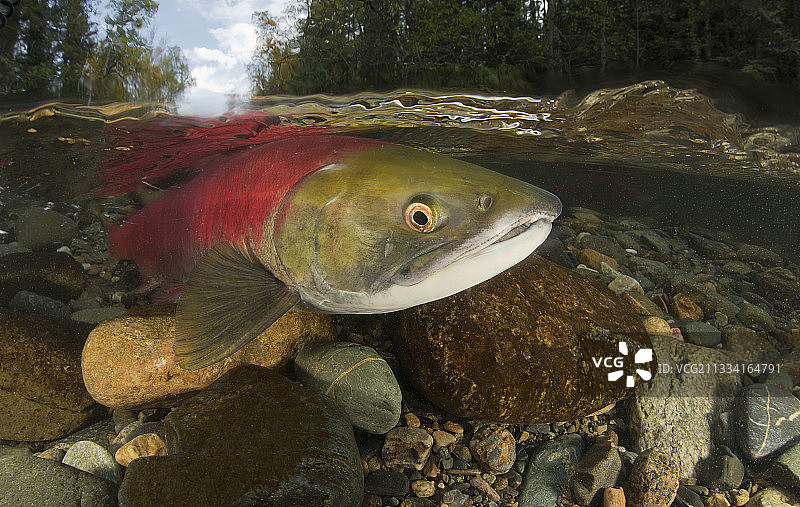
(348, 45)
(52, 48)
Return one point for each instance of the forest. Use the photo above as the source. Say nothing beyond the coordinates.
(511, 45)
(51, 48)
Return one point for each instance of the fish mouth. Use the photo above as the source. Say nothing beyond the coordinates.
(508, 233)
(407, 275)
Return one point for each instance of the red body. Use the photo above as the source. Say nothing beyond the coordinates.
(229, 200)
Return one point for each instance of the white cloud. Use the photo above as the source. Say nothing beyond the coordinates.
(211, 55)
(238, 40)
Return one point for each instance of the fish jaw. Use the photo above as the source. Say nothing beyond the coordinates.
(343, 242)
(466, 271)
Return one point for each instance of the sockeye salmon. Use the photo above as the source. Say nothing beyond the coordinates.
(306, 220)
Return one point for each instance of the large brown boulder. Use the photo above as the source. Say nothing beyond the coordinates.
(129, 362)
(533, 344)
(42, 396)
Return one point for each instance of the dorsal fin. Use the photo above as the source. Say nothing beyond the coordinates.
(144, 152)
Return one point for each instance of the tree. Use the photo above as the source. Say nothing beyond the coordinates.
(126, 66)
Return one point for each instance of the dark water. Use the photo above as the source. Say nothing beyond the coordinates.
(647, 151)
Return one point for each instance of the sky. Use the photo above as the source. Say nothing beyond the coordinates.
(217, 38)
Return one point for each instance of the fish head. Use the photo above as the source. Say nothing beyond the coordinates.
(391, 227)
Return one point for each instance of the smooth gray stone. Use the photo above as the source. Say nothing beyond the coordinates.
(97, 315)
(387, 483)
(550, 471)
(30, 302)
(722, 471)
(26, 480)
(707, 299)
(656, 271)
(700, 333)
(655, 240)
(767, 420)
(708, 247)
(94, 459)
(786, 469)
(358, 378)
(687, 498)
(40, 229)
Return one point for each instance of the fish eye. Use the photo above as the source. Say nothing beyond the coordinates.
(420, 217)
(485, 202)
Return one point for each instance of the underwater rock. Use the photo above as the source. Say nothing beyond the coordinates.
(676, 410)
(94, 459)
(252, 438)
(766, 417)
(407, 447)
(707, 299)
(604, 245)
(147, 444)
(599, 468)
(30, 302)
(653, 479)
(550, 471)
(129, 362)
(722, 471)
(522, 346)
(685, 308)
(656, 271)
(494, 448)
(42, 396)
(28, 480)
(56, 275)
(98, 315)
(747, 345)
(777, 283)
(357, 378)
(699, 333)
(761, 255)
(39, 229)
(387, 483)
(755, 316)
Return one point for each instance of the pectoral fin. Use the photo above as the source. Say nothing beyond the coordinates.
(229, 300)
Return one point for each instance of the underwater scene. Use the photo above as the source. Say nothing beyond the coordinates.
(152, 266)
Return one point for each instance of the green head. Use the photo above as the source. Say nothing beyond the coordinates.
(392, 227)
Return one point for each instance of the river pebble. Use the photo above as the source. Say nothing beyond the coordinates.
(494, 447)
(407, 447)
(94, 459)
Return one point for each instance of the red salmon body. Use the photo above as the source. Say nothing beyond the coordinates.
(228, 201)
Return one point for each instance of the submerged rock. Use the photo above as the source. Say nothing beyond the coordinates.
(550, 471)
(28, 480)
(357, 378)
(129, 362)
(252, 438)
(56, 275)
(767, 420)
(42, 396)
(38, 228)
(676, 411)
(527, 346)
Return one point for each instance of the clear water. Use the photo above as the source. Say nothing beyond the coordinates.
(645, 151)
